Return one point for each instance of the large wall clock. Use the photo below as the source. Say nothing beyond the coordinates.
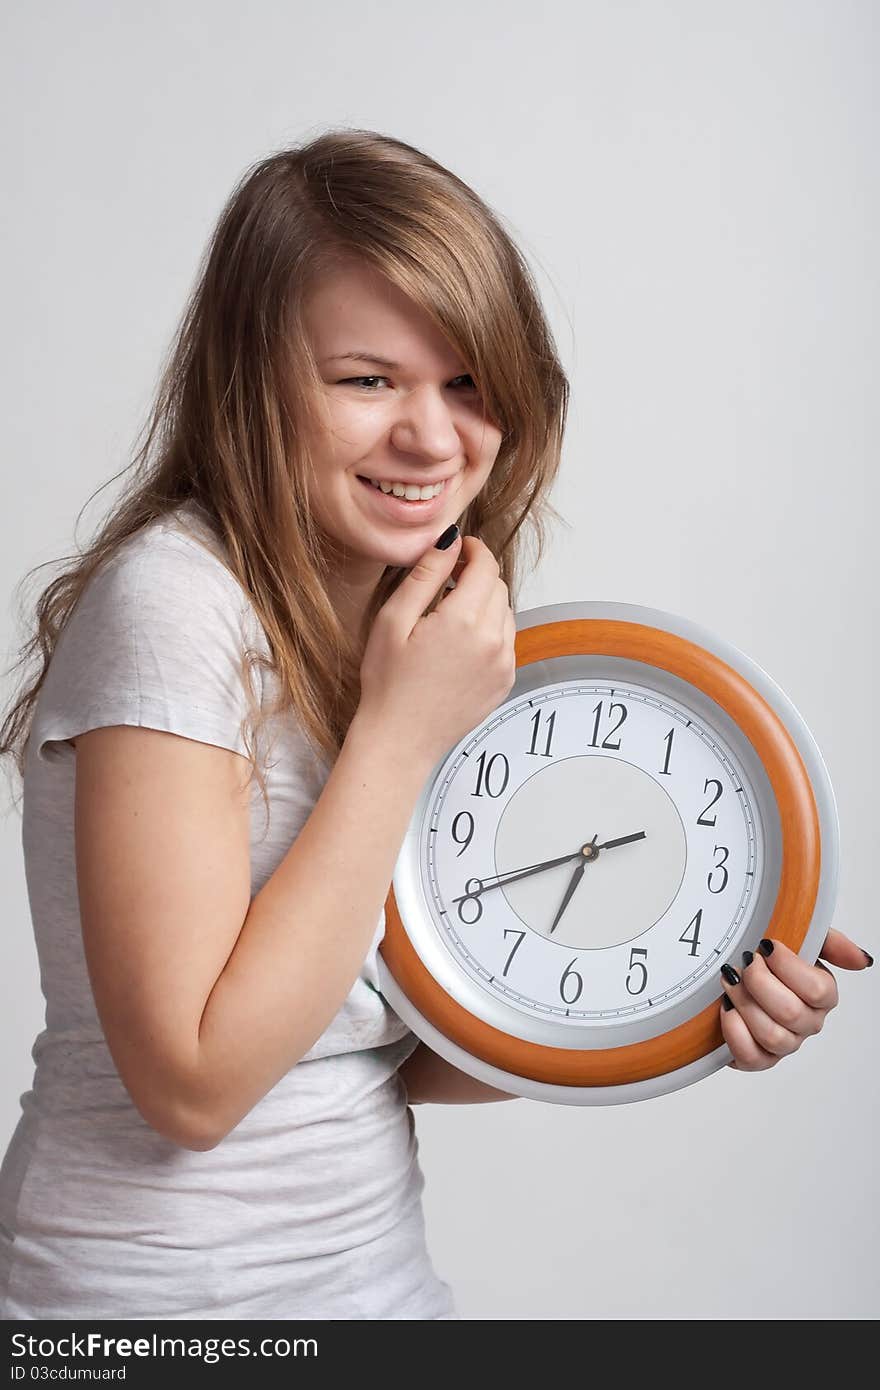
(645, 805)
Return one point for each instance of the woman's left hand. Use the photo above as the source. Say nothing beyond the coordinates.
(778, 999)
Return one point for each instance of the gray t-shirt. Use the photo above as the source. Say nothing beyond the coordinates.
(311, 1206)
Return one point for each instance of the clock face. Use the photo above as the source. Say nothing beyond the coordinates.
(592, 852)
(646, 804)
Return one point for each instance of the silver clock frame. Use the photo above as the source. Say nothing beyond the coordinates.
(411, 897)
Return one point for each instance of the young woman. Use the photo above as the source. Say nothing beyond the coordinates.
(247, 679)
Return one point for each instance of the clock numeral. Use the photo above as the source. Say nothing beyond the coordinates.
(664, 771)
(536, 720)
(513, 932)
(710, 782)
(693, 941)
(637, 965)
(598, 713)
(471, 895)
(481, 764)
(567, 974)
(726, 852)
(470, 835)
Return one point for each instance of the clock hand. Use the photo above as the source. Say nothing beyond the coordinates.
(624, 840)
(503, 879)
(575, 880)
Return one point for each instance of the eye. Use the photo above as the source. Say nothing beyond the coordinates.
(348, 379)
(359, 380)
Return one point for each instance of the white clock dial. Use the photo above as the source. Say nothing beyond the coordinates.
(661, 834)
(646, 804)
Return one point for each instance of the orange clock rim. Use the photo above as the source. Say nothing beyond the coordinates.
(795, 900)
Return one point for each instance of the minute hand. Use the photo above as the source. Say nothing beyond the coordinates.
(504, 879)
(624, 840)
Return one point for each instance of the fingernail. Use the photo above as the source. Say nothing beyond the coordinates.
(765, 946)
(449, 535)
(869, 959)
(730, 974)
(727, 1002)
(748, 957)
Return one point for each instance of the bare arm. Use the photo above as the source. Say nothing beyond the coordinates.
(206, 998)
(428, 1077)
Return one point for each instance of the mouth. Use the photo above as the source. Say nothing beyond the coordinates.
(401, 508)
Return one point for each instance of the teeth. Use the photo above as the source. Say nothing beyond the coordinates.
(410, 491)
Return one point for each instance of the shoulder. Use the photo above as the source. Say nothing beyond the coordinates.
(165, 562)
(167, 587)
(159, 636)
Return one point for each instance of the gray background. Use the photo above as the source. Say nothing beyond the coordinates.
(695, 185)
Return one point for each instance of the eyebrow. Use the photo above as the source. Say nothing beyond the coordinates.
(362, 356)
(359, 356)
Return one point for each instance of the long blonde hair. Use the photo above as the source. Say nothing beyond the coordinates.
(228, 430)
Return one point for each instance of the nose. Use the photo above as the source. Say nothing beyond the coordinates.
(424, 425)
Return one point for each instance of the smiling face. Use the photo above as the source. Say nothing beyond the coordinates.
(418, 421)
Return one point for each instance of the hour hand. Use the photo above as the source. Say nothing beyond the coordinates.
(573, 883)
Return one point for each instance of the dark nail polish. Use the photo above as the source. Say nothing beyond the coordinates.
(730, 974)
(727, 1002)
(869, 959)
(748, 957)
(449, 535)
(765, 947)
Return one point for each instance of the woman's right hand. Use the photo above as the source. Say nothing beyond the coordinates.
(431, 677)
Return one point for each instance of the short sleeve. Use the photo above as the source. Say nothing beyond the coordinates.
(156, 639)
